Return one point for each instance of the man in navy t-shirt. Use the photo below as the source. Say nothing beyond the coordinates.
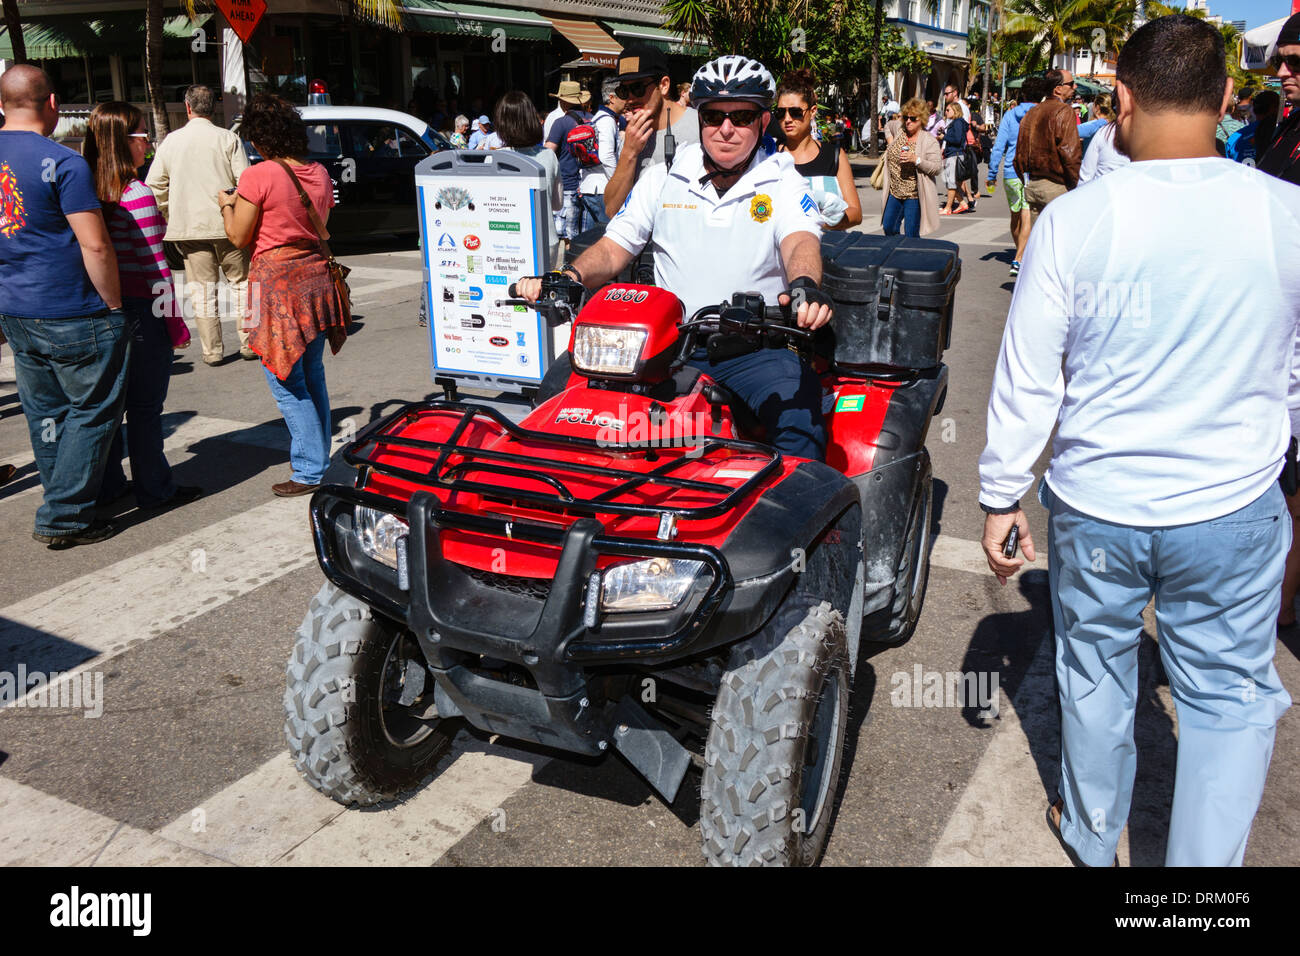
(60, 309)
(569, 222)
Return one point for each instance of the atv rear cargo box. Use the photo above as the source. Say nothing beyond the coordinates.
(893, 298)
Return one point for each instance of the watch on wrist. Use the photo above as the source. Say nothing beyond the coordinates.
(574, 272)
(1008, 510)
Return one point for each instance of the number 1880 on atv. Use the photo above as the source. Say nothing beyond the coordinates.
(632, 567)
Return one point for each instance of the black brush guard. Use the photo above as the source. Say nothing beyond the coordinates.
(458, 616)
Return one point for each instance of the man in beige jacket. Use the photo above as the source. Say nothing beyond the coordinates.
(191, 166)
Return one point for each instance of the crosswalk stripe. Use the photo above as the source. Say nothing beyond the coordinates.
(982, 232)
(37, 829)
(272, 817)
(958, 554)
(103, 613)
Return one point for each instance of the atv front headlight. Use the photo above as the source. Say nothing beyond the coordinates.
(600, 349)
(378, 532)
(652, 585)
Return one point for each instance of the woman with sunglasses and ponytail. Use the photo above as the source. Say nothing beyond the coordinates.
(117, 141)
(824, 165)
(912, 161)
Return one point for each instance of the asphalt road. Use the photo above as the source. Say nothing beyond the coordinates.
(187, 619)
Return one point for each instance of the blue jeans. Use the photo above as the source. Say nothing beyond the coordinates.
(593, 211)
(906, 212)
(146, 390)
(72, 383)
(305, 405)
(568, 218)
(783, 392)
(1217, 587)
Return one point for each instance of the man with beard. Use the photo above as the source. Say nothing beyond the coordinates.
(1281, 158)
(1169, 396)
(656, 125)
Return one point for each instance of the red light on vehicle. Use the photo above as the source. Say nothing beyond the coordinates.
(318, 86)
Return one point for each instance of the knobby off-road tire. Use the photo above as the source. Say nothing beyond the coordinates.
(343, 741)
(913, 574)
(772, 760)
(914, 567)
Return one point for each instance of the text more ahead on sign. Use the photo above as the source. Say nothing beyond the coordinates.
(242, 15)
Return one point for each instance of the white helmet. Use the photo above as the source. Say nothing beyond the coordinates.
(733, 77)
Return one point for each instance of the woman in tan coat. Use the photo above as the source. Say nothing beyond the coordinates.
(910, 198)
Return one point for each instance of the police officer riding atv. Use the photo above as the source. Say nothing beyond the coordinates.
(681, 551)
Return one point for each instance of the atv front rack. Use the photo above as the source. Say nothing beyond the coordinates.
(452, 477)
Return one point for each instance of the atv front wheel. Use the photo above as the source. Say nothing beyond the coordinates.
(359, 713)
(772, 761)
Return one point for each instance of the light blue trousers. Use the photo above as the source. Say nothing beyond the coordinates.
(1217, 587)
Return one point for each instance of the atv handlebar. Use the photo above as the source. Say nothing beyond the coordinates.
(560, 300)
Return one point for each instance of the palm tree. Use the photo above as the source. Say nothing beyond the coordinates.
(14, 27)
(1155, 10)
(1052, 26)
(1115, 21)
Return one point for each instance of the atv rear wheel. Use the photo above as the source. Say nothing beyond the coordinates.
(913, 574)
(772, 761)
(359, 712)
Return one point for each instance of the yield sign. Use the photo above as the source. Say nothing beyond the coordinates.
(242, 15)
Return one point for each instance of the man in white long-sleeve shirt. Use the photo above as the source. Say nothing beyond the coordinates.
(1169, 383)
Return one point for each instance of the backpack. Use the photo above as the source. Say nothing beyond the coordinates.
(583, 144)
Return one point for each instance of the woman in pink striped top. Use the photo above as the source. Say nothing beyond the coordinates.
(115, 147)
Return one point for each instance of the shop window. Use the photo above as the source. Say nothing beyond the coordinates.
(69, 76)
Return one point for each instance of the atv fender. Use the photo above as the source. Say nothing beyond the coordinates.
(769, 548)
(907, 419)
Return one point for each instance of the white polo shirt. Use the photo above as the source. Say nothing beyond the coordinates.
(708, 246)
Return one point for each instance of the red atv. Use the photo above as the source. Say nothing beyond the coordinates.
(630, 568)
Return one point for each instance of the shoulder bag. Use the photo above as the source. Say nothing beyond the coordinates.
(338, 271)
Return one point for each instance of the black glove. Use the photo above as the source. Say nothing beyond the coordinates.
(804, 289)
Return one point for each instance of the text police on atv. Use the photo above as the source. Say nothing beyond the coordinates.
(728, 217)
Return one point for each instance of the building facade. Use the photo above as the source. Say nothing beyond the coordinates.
(462, 55)
(940, 29)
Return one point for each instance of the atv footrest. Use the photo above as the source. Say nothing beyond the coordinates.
(650, 747)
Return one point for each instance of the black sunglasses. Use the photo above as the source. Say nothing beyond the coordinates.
(738, 117)
(632, 89)
(796, 112)
(1292, 61)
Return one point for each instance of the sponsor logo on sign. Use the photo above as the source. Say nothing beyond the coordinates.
(497, 225)
(475, 293)
(452, 338)
(445, 241)
(585, 416)
(521, 308)
(448, 264)
(499, 341)
(519, 339)
(472, 242)
(473, 322)
(448, 295)
(523, 359)
(473, 263)
(496, 280)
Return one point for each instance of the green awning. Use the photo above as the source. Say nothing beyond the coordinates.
(665, 40)
(54, 38)
(469, 19)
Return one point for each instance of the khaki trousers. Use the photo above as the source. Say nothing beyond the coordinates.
(1038, 193)
(205, 261)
